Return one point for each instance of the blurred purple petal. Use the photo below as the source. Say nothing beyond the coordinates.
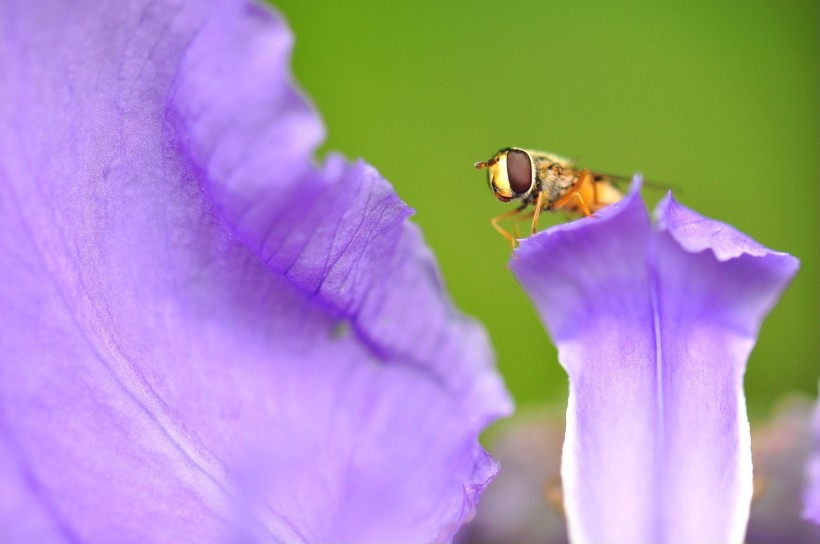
(654, 328)
(524, 504)
(780, 450)
(811, 496)
(204, 336)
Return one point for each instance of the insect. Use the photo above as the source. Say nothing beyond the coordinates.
(548, 182)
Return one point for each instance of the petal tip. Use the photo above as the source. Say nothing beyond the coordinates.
(696, 233)
(637, 183)
(600, 219)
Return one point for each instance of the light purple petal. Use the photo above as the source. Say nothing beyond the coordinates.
(205, 336)
(521, 504)
(654, 328)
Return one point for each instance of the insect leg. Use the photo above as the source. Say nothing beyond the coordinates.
(573, 193)
(519, 219)
(594, 192)
(538, 203)
(583, 204)
(494, 222)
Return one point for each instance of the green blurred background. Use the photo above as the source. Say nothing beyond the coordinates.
(718, 99)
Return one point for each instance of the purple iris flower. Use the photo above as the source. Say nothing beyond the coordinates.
(654, 326)
(204, 335)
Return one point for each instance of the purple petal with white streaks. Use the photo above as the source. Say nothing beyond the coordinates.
(205, 336)
(523, 503)
(654, 327)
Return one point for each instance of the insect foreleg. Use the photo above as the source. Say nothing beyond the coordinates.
(520, 218)
(538, 203)
(494, 222)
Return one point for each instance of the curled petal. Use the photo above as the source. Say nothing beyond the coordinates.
(654, 327)
(205, 336)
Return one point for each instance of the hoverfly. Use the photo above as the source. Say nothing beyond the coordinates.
(549, 182)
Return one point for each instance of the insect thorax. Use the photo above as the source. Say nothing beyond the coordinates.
(552, 178)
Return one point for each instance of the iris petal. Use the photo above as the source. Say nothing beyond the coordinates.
(654, 327)
(204, 335)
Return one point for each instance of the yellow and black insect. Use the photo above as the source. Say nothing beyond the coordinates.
(548, 182)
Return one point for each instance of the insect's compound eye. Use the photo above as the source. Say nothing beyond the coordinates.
(519, 171)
